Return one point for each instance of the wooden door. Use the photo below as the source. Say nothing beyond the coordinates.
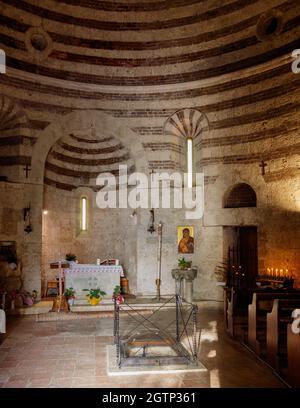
(247, 243)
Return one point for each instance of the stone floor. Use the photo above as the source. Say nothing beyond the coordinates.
(72, 353)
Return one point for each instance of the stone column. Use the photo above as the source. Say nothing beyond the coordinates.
(188, 290)
(188, 275)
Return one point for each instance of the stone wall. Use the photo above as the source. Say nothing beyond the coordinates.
(128, 72)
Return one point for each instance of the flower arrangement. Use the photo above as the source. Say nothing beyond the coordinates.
(117, 295)
(20, 298)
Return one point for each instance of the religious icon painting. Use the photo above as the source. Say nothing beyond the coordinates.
(185, 239)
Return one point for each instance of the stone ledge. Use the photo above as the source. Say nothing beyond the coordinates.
(43, 306)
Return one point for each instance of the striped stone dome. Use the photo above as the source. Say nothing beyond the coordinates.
(76, 160)
(143, 61)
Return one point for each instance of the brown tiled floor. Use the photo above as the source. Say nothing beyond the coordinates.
(72, 354)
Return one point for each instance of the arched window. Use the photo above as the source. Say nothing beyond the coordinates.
(189, 159)
(241, 195)
(83, 213)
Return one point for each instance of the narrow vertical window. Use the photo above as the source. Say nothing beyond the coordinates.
(83, 214)
(190, 162)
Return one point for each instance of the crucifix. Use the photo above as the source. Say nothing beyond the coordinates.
(263, 164)
(27, 169)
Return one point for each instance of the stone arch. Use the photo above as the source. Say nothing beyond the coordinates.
(15, 133)
(240, 195)
(80, 120)
(183, 124)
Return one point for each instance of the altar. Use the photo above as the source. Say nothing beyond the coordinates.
(89, 276)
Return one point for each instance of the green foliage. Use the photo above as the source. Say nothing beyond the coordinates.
(70, 257)
(95, 293)
(117, 290)
(70, 293)
(183, 264)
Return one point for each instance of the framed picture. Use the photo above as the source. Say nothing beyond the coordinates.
(185, 239)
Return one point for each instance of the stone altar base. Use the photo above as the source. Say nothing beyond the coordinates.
(113, 369)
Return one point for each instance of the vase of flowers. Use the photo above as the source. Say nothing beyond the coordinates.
(117, 297)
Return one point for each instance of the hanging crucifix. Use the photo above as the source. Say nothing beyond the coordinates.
(27, 169)
(263, 164)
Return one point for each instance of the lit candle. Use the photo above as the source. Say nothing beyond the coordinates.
(281, 273)
(276, 272)
(272, 271)
(268, 272)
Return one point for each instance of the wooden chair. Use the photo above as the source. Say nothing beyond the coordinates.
(51, 285)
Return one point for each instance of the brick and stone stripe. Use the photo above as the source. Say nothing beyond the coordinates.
(253, 157)
(136, 6)
(87, 162)
(155, 79)
(14, 160)
(16, 140)
(157, 146)
(101, 150)
(282, 174)
(105, 25)
(254, 97)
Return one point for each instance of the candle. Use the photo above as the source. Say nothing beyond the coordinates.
(276, 272)
(272, 273)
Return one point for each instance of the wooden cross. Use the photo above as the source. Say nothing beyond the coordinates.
(263, 164)
(27, 169)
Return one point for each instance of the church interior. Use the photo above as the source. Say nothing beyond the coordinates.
(149, 193)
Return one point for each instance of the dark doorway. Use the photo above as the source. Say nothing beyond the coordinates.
(241, 247)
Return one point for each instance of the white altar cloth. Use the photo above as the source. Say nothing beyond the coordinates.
(85, 276)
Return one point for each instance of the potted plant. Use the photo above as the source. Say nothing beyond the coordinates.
(71, 257)
(183, 264)
(117, 295)
(94, 296)
(70, 296)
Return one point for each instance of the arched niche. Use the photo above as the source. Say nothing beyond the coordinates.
(240, 196)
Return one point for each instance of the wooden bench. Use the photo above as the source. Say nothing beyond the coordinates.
(293, 351)
(235, 310)
(262, 303)
(277, 321)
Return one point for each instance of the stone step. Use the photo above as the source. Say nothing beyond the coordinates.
(44, 306)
